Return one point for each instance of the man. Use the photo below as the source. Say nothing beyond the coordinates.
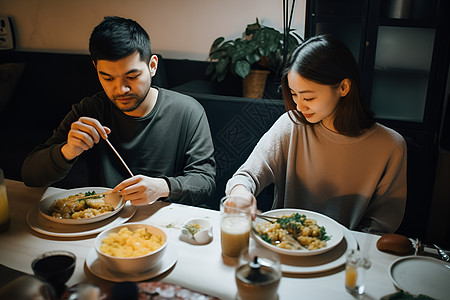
(163, 136)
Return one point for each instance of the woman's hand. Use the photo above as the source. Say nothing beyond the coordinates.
(242, 192)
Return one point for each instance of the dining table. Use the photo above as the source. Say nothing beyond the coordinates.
(200, 268)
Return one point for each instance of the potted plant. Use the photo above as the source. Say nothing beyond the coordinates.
(261, 48)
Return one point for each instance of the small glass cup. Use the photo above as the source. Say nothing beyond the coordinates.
(235, 224)
(4, 209)
(355, 270)
(258, 274)
(55, 267)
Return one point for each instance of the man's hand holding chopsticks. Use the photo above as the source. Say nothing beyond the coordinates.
(83, 135)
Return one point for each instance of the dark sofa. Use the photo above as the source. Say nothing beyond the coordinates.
(50, 83)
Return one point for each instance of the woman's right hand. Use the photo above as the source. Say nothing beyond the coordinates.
(83, 135)
(242, 192)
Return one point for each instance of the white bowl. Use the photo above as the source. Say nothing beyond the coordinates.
(131, 265)
(333, 230)
(47, 202)
(201, 236)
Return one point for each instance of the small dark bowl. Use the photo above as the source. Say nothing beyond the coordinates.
(54, 267)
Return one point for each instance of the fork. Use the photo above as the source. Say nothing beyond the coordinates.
(442, 253)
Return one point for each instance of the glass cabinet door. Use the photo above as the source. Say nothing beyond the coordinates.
(342, 18)
(401, 72)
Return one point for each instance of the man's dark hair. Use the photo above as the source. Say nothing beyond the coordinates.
(115, 38)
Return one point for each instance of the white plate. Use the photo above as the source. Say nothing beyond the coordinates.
(45, 204)
(324, 262)
(421, 275)
(40, 224)
(94, 265)
(333, 230)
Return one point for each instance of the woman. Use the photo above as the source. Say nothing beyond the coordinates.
(326, 153)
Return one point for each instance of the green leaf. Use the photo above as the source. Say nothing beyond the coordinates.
(242, 68)
(323, 234)
(216, 43)
(222, 65)
(266, 238)
(253, 57)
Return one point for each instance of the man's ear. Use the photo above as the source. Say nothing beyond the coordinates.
(95, 65)
(344, 87)
(153, 65)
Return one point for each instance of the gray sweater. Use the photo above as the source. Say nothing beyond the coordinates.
(358, 181)
(173, 142)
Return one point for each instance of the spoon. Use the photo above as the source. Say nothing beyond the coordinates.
(112, 199)
(442, 253)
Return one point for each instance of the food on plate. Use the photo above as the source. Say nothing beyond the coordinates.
(79, 207)
(127, 243)
(394, 243)
(293, 232)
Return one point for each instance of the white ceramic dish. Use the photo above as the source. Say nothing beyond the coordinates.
(131, 265)
(95, 266)
(202, 237)
(45, 204)
(421, 275)
(42, 225)
(333, 230)
(325, 262)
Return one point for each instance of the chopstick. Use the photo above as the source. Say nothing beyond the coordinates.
(94, 195)
(118, 155)
(267, 218)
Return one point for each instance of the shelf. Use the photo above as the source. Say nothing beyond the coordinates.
(407, 23)
(338, 19)
(401, 72)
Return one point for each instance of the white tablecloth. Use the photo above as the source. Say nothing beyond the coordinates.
(199, 267)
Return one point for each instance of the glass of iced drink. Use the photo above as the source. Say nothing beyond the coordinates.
(235, 224)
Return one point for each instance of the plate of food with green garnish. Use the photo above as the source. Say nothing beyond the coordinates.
(81, 205)
(297, 232)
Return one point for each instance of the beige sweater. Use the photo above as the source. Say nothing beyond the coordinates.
(358, 181)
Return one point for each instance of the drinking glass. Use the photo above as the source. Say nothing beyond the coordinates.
(355, 270)
(258, 274)
(4, 210)
(235, 224)
(55, 267)
(27, 287)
